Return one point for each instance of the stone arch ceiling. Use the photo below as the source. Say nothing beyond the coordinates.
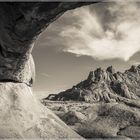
(20, 25)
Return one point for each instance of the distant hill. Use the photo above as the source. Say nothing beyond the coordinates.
(104, 85)
(105, 105)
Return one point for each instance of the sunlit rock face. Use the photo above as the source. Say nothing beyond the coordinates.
(22, 116)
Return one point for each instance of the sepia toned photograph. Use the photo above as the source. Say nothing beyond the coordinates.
(70, 70)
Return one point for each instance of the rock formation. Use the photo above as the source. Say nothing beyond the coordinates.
(113, 120)
(105, 85)
(105, 105)
(21, 116)
(21, 23)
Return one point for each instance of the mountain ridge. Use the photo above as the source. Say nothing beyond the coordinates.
(104, 85)
(105, 105)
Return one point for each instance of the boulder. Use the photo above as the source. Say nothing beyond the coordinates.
(22, 116)
(73, 117)
(111, 122)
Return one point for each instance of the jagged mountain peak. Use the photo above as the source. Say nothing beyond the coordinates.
(104, 85)
(134, 69)
(100, 74)
(110, 69)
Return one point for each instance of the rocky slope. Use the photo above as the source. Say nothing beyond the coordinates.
(24, 117)
(105, 85)
(105, 105)
(99, 120)
(21, 115)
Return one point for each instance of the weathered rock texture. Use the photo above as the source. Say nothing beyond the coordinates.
(22, 116)
(20, 25)
(99, 120)
(106, 86)
(105, 105)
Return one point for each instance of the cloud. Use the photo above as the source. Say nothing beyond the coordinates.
(46, 75)
(104, 31)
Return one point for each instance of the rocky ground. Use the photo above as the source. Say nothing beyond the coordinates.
(99, 120)
(105, 105)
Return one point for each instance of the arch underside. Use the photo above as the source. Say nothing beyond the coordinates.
(21, 114)
(21, 24)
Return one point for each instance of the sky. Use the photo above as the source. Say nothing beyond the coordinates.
(84, 39)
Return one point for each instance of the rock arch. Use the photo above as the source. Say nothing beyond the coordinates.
(20, 26)
(21, 115)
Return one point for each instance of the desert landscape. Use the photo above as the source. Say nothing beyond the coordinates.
(85, 82)
(105, 105)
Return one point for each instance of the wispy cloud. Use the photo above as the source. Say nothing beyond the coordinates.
(46, 75)
(104, 32)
